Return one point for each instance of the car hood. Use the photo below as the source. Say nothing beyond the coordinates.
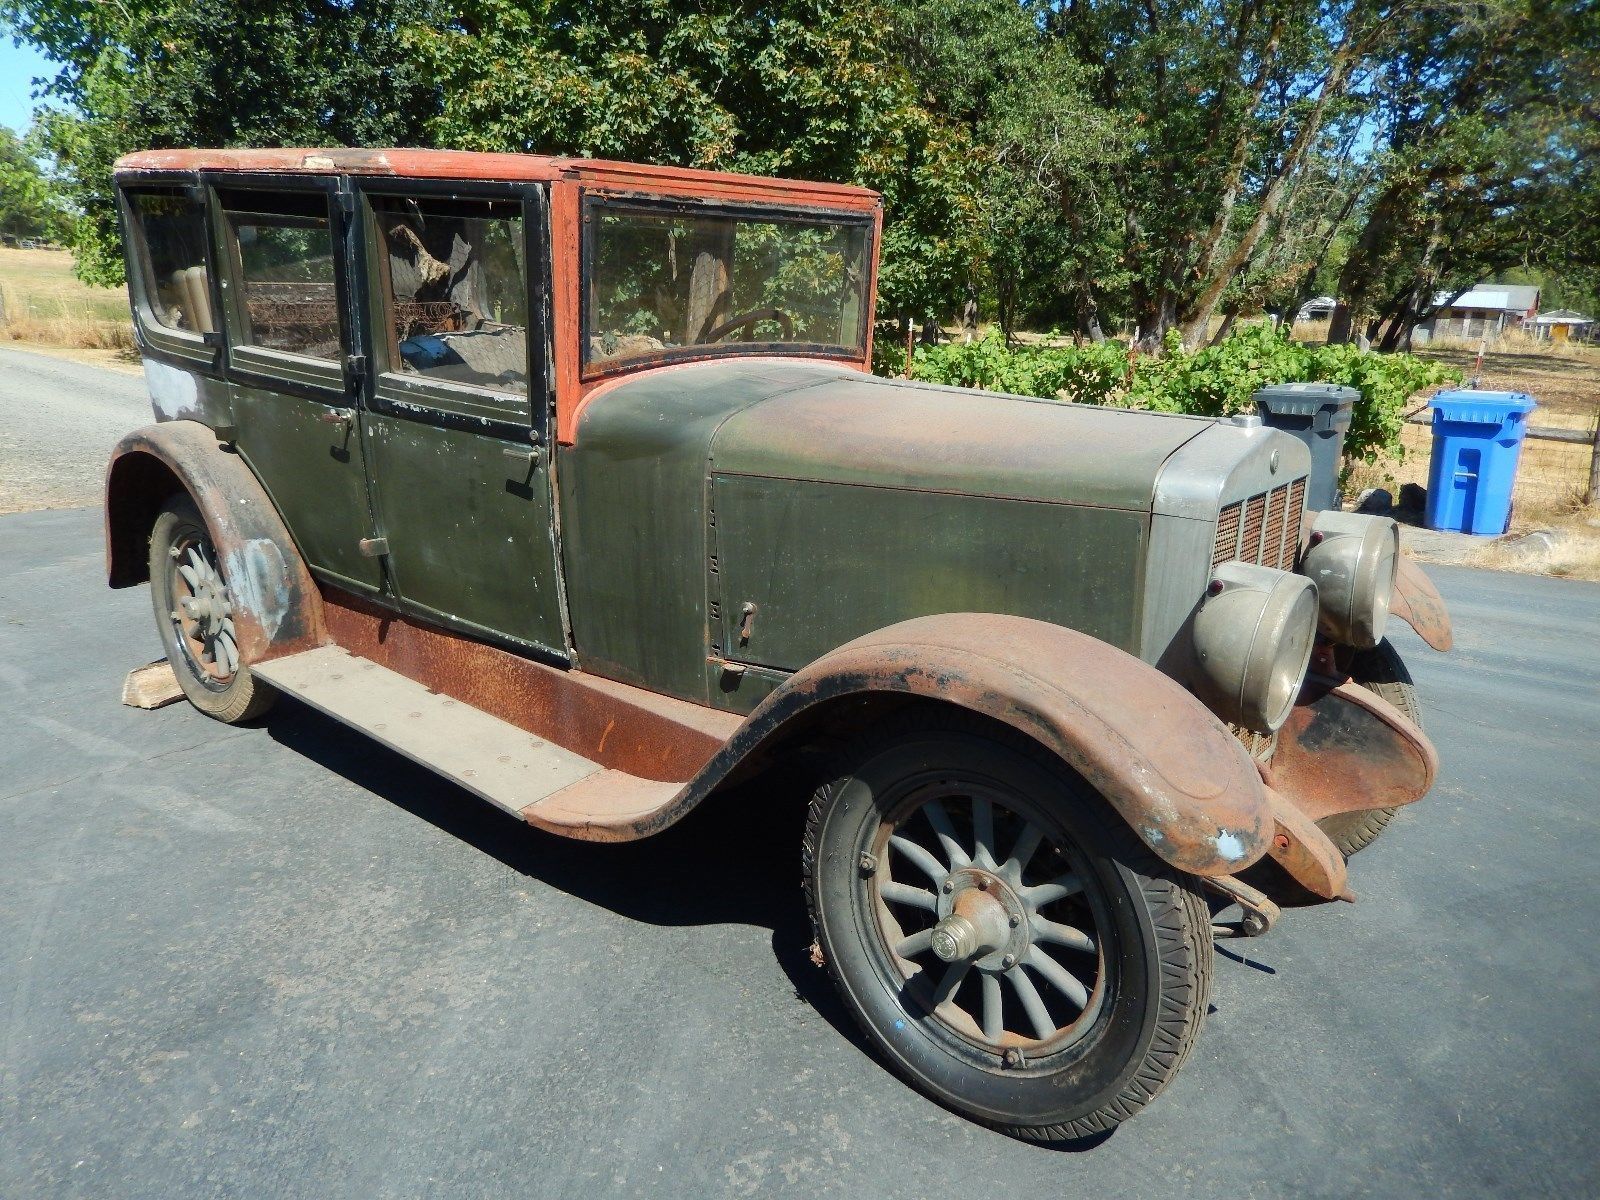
(835, 425)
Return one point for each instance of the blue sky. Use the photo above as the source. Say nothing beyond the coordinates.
(19, 65)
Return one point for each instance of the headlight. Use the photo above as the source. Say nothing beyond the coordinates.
(1352, 560)
(1252, 639)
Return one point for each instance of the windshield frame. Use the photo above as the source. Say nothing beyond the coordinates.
(593, 202)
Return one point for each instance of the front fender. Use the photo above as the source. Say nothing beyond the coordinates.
(1418, 603)
(277, 609)
(1182, 782)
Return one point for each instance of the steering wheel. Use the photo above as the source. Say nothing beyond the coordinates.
(750, 317)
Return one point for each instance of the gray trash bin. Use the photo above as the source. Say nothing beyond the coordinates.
(1319, 415)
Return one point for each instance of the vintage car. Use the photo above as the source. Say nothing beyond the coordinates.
(568, 479)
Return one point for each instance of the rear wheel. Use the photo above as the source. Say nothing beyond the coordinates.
(1001, 936)
(194, 612)
(1380, 670)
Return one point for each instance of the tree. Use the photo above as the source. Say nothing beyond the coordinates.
(1487, 126)
(28, 205)
(143, 74)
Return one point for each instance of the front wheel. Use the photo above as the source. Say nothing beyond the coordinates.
(194, 612)
(1010, 946)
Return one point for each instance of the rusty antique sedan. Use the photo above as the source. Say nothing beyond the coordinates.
(568, 480)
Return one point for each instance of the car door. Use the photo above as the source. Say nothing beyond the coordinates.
(293, 363)
(459, 402)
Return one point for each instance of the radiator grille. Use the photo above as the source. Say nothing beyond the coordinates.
(1263, 529)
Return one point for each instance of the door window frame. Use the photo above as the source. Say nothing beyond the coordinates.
(323, 379)
(188, 347)
(489, 411)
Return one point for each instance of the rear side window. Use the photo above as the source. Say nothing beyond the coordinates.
(171, 236)
(455, 279)
(284, 248)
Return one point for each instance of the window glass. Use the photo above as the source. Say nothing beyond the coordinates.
(172, 229)
(457, 290)
(660, 282)
(285, 249)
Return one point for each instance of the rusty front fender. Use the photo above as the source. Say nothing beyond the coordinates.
(1418, 603)
(1344, 748)
(277, 609)
(1182, 782)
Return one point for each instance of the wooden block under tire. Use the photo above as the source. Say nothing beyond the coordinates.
(151, 686)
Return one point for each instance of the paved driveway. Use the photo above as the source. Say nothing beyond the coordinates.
(280, 961)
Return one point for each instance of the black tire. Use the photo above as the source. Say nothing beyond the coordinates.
(199, 651)
(1151, 937)
(1381, 670)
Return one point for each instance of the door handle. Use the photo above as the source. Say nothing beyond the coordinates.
(344, 418)
(527, 457)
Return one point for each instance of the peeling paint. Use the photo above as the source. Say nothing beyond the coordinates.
(259, 580)
(174, 392)
(1229, 845)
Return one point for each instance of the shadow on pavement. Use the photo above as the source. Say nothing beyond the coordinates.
(733, 860)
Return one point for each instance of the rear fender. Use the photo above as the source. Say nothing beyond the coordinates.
(277, 609)
(1418, 603)
(1170, 769)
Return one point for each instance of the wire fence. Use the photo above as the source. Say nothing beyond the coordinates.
(1554, 473)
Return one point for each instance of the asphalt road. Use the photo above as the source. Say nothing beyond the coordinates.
(58, 422)
(281, 961)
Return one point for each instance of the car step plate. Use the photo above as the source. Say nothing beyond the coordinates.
(507, 766)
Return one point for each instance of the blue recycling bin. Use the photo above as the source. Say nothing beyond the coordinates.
(1477, 442)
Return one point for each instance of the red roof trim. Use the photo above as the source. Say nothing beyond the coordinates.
(469, 165)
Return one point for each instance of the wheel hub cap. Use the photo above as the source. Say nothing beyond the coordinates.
(982, 921)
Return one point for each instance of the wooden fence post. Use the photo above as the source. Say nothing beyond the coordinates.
(1593, 494)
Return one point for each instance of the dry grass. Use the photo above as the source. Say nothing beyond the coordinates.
(45, 305)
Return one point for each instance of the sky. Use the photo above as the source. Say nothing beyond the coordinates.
(19, 65)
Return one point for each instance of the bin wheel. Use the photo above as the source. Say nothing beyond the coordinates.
(1381, 670)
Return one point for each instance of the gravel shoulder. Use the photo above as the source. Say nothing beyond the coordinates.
(59, 420)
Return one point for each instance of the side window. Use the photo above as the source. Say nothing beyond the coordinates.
(453, 277)
(170, 241)
(283, 253)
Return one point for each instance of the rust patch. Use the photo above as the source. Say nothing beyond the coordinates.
(1344, 748)
(1418, 603)
(628, 729)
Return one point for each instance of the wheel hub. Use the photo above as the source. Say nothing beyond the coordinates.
(982, 921)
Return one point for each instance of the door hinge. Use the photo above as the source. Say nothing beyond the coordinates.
(355, 366)
(373, 547)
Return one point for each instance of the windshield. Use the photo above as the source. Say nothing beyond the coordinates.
(661, 283)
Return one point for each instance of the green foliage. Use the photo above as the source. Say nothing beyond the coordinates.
(1213, 382)
(141, 74)
(28, 205)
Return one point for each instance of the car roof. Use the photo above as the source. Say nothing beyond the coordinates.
(406, 163)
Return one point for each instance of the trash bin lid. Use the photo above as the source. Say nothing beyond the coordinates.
(1305, 399)
(1480, 406)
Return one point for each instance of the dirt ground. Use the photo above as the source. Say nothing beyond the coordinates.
(1552, 476)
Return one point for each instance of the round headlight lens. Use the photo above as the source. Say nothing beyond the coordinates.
(1352, 560)
(1252, 637)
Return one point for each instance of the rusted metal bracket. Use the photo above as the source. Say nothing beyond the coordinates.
(1304, 851)
(1260, 913)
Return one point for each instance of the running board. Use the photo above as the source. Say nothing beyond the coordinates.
(525, 775)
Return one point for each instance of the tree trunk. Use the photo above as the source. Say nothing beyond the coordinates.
(711, 253)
